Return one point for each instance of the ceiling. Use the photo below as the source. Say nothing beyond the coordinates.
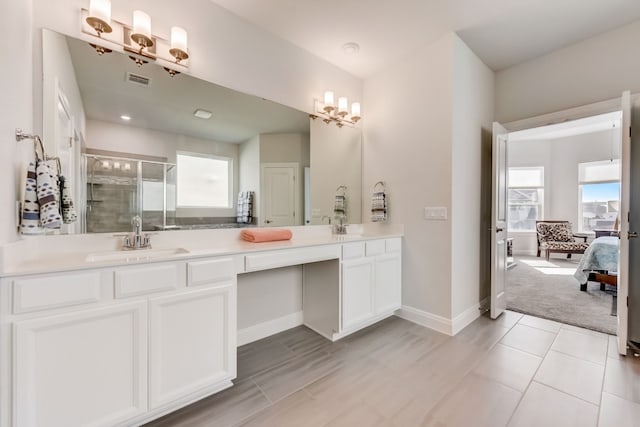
(168, 103)
(501, 32)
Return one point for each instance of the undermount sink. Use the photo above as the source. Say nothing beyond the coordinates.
(134, 255)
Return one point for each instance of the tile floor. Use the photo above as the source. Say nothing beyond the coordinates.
(516, 371)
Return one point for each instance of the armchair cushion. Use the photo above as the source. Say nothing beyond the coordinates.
(555, 232)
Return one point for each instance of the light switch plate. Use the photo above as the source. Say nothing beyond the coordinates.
(438, 213)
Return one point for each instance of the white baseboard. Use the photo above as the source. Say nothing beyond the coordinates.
(442, 324)
(426, 319)
(465, 318)
(265, 329)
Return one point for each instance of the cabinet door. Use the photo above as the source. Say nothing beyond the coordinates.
(192, 342)
(83, 368)
(388, 282)
(357, 292)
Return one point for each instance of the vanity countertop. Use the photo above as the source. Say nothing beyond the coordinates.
(48, 254)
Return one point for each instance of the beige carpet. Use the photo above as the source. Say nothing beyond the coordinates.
(549, 290)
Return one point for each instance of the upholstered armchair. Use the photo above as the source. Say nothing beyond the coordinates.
(558, 237)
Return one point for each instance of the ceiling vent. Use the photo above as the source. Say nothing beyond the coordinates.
(138, 79)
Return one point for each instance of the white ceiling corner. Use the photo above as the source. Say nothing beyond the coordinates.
(501, 32)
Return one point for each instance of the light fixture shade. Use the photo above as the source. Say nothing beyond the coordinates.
(355, 111)
(178, 43)
(343, 105)
(329, 99)
(100, 9)
(141, 23)
(178, 38)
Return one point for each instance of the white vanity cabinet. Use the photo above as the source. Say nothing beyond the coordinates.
(192, 336)
(115, 346)
(371, 274)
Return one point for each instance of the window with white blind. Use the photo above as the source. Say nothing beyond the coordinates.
(525, 197)
(204, 181)
(599, 194)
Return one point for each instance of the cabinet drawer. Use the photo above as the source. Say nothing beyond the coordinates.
(375, 247)
(47, 292)
(394, 245)
(353, 250)
(145, 280)
(210, 271)
(287, 257)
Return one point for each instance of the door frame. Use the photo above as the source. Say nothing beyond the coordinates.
(297, 190)
(583, 111)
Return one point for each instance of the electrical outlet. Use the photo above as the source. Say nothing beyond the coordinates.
(435, 213)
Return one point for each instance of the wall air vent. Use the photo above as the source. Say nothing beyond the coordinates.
(138, 79)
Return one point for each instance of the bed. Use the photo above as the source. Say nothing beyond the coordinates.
(599, 263)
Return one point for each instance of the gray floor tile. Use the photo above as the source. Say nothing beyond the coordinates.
(578, 377)
(296, 410)
(583, 346)
(622, 377)
(544, 406)
(483, 332)
(618, 412)
(537, 322)
(223, 409)
(532, 340)
(259, 356)
(509, 366)
(476, 401)
(286, 379)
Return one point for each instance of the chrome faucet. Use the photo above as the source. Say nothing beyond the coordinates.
(340, 227)
(136, 240)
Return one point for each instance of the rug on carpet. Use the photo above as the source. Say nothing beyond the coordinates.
(549, 290)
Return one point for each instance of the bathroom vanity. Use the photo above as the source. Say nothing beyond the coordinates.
(108, 337)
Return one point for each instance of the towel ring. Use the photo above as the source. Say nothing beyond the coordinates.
(344, 190)
(381, 183)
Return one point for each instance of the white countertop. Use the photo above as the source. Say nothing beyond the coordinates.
(46, 254)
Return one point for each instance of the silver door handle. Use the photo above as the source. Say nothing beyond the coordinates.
(499, 230)
(632, 235)
(267, 221)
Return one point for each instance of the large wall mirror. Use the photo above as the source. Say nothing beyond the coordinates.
(185, 153)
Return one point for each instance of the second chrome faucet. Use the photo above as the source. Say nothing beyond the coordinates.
(137, 239)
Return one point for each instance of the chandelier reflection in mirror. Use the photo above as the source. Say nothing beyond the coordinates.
(138, 40)
(338, 114)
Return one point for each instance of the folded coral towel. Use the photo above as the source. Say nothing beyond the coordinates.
(258, 235)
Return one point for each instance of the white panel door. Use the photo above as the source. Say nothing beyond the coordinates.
(625, 233)
(192, 342)
(499, 221)
(278, 195)
(86, 368)
(357, 292)
(388, 282)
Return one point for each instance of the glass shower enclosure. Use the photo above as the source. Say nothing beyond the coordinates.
(118, 188)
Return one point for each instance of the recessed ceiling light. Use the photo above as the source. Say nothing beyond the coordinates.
(202, 114)
(125, 117)
(351, 48)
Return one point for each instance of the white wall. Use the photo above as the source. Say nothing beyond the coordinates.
(407, 143)
(16, 109)
(560, 158)
(593, 70)
(108, 136)
(473, 90)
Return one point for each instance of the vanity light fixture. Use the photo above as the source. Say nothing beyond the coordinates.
(137, 40)
(338, 114)
(125, 117)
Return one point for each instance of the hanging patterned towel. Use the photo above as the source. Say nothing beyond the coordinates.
(69, 214)
(340, 206)
(47, 188)
(244, 211)
(30, 223)
(378, 206)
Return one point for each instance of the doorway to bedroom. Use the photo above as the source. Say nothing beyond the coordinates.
(563, 197)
